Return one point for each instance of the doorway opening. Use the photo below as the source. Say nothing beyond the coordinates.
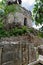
(25, 21)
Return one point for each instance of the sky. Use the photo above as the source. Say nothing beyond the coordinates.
(29, 5)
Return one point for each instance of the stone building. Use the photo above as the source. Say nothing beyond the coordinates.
(22, 16)
(19, 50)
(16, 53)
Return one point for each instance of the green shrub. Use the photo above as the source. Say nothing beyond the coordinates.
(14, 31)
(1, 13)
(40, 34)
(30, 30)
(12, 8)
(24, 28)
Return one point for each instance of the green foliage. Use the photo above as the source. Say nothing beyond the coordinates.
(12, 32)
(38, 11)
(2, 32)
(41, 29)
(31, 30)
(2, 4)
(6, 9)
(38, 15)
(1, 15)
(1, 25)
(40, 34)
(17, 31)
(1, 12)
(12, 8)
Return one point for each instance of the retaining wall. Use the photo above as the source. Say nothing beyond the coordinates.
(17, 53)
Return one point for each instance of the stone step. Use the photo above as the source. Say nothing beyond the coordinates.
(41, 59)
(33, 63)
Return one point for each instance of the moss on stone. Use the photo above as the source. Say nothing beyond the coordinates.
(12, 8)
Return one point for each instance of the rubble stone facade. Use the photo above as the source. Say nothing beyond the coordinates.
(17, 50)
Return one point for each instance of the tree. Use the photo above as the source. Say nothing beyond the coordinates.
(38, 12)
(2, 4)
(41, 29)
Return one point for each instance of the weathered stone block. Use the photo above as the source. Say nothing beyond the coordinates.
(40, 49)
(7, 57)
(8, 63)
(32, 53)
(22, 53)
(0, 55)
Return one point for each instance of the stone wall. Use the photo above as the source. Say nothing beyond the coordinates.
(18, 17)
(0, 54)
(27, 37)
(19, 50)
(17, 53)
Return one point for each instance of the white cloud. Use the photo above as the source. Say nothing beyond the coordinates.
(37, 27)
(30, 2)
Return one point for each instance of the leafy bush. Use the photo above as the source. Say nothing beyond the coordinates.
(17, 31)
(1, 12)
(30, 30)
(12, 32)
(12, 8)
(40, 34)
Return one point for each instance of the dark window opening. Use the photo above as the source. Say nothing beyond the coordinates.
(25, 21)
(9, 3)
(19, 1)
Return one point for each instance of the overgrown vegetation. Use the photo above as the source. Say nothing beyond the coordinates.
(40, 34)
(8, 9)
(37, 15)
(4, 11)
(16, 31)
(38, 11)
(12, 8)
(12, 32)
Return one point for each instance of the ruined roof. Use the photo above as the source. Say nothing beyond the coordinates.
(28, 11)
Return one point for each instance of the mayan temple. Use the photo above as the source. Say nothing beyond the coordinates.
(19, 41)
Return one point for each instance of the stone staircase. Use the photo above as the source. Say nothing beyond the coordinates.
(39, 60)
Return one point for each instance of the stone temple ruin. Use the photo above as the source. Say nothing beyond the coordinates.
(21, 17)
(21, 50)
(18, 51)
